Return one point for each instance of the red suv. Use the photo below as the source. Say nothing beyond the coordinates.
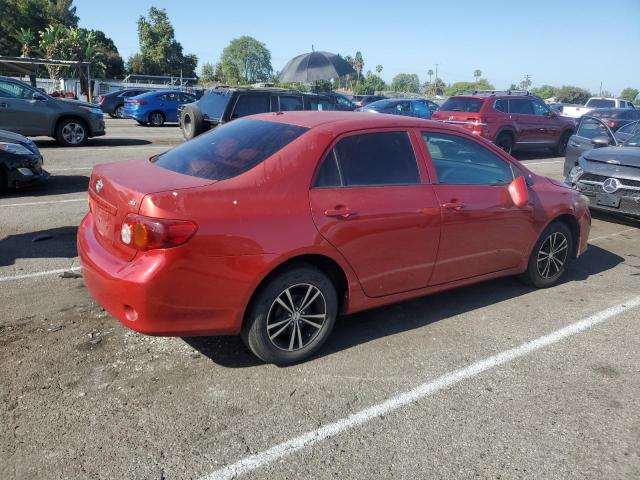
(513, 121)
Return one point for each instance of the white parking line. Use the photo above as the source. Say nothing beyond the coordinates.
(98, 149)
(308, 439)
(68, 169)
(46, 202)
(39, 274)
(525, 163)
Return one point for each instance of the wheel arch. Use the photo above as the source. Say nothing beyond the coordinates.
(574, 227)
(509, 130)
(69, 116)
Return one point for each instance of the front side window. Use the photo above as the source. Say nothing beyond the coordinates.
(520, 106)
(398, 107)
(250, 105)
(15, 90)
(230, 149)
(343, 102)
(370, 159)
(290, 103)
(421, 109)
(460, 161)
(540, 109)
(591, 128)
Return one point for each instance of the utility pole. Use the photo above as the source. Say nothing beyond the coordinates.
(437, 72)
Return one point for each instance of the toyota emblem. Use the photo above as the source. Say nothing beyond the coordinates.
(610, 185)
(99, 185)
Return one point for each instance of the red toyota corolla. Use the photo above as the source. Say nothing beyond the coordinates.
(272, 225)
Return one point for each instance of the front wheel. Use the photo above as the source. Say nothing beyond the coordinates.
(120, 111)
(505, 142)
(561, 148)
(156, 119)
(71, 132)
(292, 316)
(550, 256)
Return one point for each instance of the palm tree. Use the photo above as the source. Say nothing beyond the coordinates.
(477, 73)
(52, 43)
(379, 69)
(358, 64)
(349, 59)
(26, 38)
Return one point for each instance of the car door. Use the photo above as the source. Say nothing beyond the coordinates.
(588, 129)
(170, 102)
(420, 109)
(521, 113)
(548, 125)
(371, 200)
(20, 112)
(482, 230)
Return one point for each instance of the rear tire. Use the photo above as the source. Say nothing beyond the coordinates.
(119, 111)
(4, 181)
(291, 316)
(505, 142)
(142, 124)
(72, 132)
(561, 149)
(550, 257)
(192, 123)
(112, 115)
(156, 119)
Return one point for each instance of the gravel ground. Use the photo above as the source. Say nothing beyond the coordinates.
(82, 397)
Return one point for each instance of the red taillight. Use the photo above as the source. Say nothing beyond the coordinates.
(146, 233)
(137, 102)
(101, 99)
(611, 123)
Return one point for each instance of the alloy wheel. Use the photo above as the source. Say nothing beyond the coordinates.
(296, 317)
(120, 112)
(552, 255)
(73, 133)
(156, 119)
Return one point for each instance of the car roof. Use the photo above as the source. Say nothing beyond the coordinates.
(344, 120)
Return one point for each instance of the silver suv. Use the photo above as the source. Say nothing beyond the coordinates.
(28, 111)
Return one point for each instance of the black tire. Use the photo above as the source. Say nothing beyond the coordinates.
(505, 142)
(271, 328)
(4, 181)
(119, 111)
(156, 119)
(72, 132)
(542, 270)
(192, 123)
(561, 149)
(112, 115)
(142, 124)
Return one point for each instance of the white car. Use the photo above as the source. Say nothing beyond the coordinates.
(576, 111)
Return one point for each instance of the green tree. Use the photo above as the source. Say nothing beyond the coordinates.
(34, 15)
(477, 74)
(406, 82)
(358, 64)
(629, 94)
(481, 84)
(160, 52)
(430, 73)
(371, 84)
(208, 73)
(545, 91)
(607, 93)
(571, 94)
(27, 40)
(246, 60)
(437, 87)
(52, 45)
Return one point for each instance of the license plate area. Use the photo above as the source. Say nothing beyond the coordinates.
(608, 200)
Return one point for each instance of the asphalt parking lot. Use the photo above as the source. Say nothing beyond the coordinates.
(82, 397)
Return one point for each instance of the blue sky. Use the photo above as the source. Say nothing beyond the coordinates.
(576, 42)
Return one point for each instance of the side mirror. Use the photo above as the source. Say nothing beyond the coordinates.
(600, 141)
(552, 114)
(519, 192)
(38, 96)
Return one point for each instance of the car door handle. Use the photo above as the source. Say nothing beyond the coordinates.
(573, 144)
(340, 212)
(457, 206)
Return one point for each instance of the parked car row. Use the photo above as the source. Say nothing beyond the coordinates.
(577, 111)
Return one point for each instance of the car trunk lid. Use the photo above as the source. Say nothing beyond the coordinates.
(117, 189)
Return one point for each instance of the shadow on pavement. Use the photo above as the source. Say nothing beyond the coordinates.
(364, 327)
(51, 243)
(95, 142)
(613, 218)
(54, 185)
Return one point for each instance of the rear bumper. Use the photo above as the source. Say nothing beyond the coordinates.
(169, 292)
(96, 126)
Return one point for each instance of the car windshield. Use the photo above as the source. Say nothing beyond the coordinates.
(462, 105)
(633, 141)
(601, 103)
(229, 150)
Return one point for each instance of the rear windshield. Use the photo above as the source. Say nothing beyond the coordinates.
(214, 103)
(462, 105)
(601, 103)
(229, 150)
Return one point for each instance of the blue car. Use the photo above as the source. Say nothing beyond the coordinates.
(156, 108)
(410, 107)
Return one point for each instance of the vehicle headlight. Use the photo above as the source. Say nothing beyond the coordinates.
(575, 174)
(15, 148)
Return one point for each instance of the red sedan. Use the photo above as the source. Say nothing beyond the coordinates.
(270, 226)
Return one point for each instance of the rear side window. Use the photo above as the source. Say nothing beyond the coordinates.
(214, 103)
(460, 161)
(601, 103)
(250, 105)
(520, 106)
(371, 159)
(501, 105)
(319, 103)
(462, 105)
(290, 103)
(229, 150)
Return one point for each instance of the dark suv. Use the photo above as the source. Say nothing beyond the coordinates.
(222, 105)
(113, 103)
(512, 120)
